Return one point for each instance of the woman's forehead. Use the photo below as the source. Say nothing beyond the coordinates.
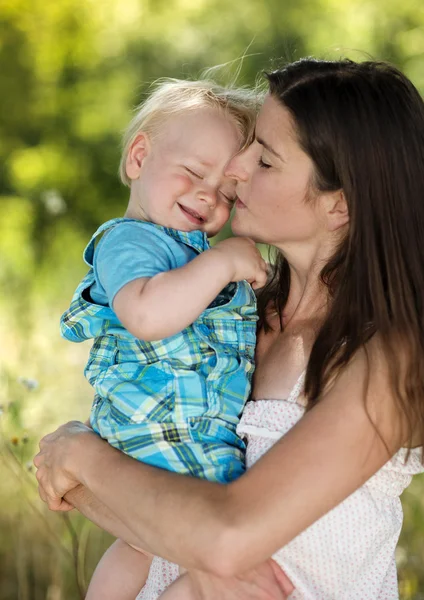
(275, 124)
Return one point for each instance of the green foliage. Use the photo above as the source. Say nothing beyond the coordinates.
(70, 73)
(42, 555)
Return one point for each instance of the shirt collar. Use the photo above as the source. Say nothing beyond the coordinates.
(198, 240)
(195, 239)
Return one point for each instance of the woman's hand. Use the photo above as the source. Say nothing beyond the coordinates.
(266, 582)
(54, 476)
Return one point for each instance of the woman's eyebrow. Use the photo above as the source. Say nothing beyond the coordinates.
(268, 147)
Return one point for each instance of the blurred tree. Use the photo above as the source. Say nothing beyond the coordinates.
(72, 69)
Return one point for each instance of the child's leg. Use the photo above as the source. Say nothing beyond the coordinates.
(179, 590)
(120, 574)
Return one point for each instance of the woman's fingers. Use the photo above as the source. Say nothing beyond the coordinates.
(37, 460)
(61, 506)
(286, 585)
(43, 486)
(47, 438)
(266, 582)
(54, 503)
(66, 507)
(52, 461)
(42, 493)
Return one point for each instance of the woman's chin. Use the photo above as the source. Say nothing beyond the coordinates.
(240, 231)
(237, 227)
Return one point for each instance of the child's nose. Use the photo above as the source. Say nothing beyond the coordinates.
(208, 196)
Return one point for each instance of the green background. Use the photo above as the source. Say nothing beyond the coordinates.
(70, 73)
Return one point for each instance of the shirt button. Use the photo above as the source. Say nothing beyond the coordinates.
(204, 329)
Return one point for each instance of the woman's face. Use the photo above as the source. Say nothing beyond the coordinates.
(273, 180)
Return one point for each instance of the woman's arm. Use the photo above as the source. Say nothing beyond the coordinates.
(228, 529)
(87, 504)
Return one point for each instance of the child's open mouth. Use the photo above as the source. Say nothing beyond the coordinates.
(192, 215)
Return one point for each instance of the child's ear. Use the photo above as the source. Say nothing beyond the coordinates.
(136, 154)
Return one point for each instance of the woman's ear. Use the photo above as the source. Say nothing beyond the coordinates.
(138, 151)
(337, 211)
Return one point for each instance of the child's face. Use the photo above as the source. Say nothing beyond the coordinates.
(178, 176)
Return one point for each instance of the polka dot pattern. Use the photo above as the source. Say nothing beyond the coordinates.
(349, 554)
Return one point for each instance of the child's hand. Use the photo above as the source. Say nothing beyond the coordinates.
(244, 260)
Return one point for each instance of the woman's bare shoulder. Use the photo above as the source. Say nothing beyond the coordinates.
(370, 373)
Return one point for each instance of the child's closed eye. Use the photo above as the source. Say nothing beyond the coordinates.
(194, 173)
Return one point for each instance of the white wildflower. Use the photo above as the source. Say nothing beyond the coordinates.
(53, 202)
(30, 384)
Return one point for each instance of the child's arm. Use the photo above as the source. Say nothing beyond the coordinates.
(161, 306)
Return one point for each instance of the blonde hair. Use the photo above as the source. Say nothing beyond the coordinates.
(172, 96)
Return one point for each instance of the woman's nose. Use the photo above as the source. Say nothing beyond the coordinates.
(237, 167)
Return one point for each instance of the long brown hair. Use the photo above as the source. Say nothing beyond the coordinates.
(362, 125)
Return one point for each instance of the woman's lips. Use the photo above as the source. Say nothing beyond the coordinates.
(239, 203)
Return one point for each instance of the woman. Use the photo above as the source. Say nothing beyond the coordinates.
(335, 181)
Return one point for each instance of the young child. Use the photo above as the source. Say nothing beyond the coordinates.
(173, 320)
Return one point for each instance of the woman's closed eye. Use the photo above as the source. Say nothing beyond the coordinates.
(263, 164)
(228, 197)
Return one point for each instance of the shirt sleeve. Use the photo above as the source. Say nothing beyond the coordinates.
(130, 251)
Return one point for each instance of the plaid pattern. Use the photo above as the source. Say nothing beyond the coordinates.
(173, 403)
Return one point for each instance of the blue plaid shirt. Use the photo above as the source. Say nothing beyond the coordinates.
(174, 403)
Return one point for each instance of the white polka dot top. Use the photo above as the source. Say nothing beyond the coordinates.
(349, 554)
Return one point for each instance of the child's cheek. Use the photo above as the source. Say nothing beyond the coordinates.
(183, 184)
(226, 214)
(221, 216)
